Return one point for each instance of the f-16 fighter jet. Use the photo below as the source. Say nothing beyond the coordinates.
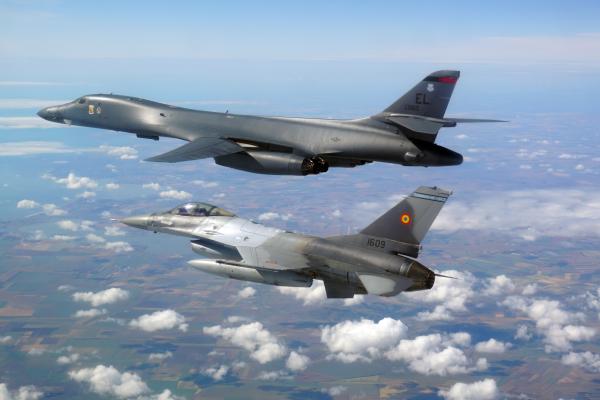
(404, 133)
(380, 260)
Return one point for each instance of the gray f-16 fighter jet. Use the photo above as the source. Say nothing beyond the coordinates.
(380, 260)
(404, 133)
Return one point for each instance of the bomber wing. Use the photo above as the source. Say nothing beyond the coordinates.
(197, 149)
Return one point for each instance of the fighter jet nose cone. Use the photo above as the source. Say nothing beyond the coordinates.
(140, 221)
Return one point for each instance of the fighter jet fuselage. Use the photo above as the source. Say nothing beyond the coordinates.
(402, 134)
(380, 260)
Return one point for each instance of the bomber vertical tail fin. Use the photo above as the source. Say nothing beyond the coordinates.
(429, 98)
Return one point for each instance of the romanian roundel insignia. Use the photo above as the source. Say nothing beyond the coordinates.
(405, 218)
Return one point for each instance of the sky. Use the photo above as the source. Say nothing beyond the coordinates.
(524, 208)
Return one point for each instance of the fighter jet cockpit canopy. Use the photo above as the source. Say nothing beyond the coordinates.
(196, 209)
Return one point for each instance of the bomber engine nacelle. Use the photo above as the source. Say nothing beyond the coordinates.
(270, 277)
(273, 163)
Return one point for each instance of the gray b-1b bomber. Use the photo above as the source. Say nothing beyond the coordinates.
(404, 133)
(380, 260)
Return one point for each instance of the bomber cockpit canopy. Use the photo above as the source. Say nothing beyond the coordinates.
(196, 209)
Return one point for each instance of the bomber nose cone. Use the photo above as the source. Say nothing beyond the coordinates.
(49, 113)
(139, 221)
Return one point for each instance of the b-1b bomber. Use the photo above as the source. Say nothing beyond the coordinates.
(404, 133)
(380, 260)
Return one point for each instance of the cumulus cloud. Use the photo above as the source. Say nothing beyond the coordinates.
(309, 296)
(27, 204)
(268, 216)
(72, 181)
(499, 285)
(91, 313)
(113, 231)
(272, 375)
(63, 238)
(529, 214)
(523, 333)
(159, 356)
(297, 362)
(122, 152)
(68, 359)
(587, 360)
(366, 340)
(151, 185)
(118, 247)
(75, 226)
(451, 295)
(362, 340)
(557, 326)
(263, 346)
(105, 380)
(216, 373)
(23, 393)
(160, 320)
(247, 292)
(86, 195)
(485, 389)
(205, 184)
(52, 210)
(175, 194)
(492, 346)
(108, 296)
(112, 186)
(92, 238)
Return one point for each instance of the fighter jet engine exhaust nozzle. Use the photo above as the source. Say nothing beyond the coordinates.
(423, 278)
(274, 163)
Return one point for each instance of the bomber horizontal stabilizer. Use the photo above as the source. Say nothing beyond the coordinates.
(198, 149)
(468, 120)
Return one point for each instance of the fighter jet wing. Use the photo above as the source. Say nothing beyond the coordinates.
(197, 149)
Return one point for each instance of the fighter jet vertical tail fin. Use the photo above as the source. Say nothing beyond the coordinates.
(429, 98)
(409, 221)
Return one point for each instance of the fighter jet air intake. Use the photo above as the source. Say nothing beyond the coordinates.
(404, 133)
(380, 260)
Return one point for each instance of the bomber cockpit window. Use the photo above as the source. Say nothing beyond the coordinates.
(81, 100)
(200, 210)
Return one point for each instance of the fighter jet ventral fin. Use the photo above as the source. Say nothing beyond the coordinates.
(197, 149)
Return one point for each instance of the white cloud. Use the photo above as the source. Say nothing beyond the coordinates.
(492, 346)
(91, 313)
(556, 325)
(23, 393)
(108, 296)
(93, 238)
(175, 194)
(160, 320)
(52, 210)
(123, 152)
(336, 213)
(529, 290)
(523, 333)
(86, 194)
(247, 292)
(263, 346)
(297, 361)
(14, 104)
(159, 356)
(113, 231)
(27, 148)
(72, 181)
(436, 354)
(73, 226)
(27, 204)
(335, 391)
(268, 216)
(499, 285)
(362, 340)
(26, 123)
(529, 214)
(309, 296)
(151, 185)
(205, 184)
(272, 375)
(63, 238)
(216, 373)
(118, 247)
(5, 339)
(112, 186)
(105, 380)
(68, 359)
(587, 360)
(450, 294)
(485, 389)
